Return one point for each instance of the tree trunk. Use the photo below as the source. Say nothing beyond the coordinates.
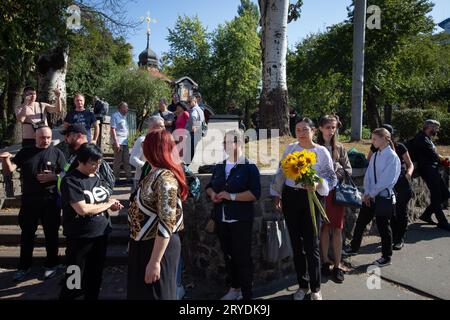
(274, 97)
(388, 113)
(373, 116)
(52, 70)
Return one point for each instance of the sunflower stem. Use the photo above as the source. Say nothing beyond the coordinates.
(312, 209)
(321, 209)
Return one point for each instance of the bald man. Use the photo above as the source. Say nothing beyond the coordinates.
(39, 166)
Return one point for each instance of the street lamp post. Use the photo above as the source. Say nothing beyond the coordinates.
(359, 26)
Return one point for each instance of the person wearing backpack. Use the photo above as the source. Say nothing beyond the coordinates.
(429, 159)
(75, 136)
(195, 125)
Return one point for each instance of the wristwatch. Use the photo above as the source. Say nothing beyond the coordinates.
(233, 196)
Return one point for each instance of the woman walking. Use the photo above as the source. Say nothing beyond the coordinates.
(293, 199)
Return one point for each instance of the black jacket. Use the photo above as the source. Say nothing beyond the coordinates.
(425, 151)
(243, 177)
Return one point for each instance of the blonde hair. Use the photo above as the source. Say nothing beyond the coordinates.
(383, 133)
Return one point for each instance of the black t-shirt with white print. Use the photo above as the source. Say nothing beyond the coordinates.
(76, 187)
(31, 162)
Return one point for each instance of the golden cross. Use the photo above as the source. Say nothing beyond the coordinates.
(149, 20)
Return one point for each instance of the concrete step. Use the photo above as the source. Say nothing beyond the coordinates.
(10, 235)
(11, 217)
(9, 256)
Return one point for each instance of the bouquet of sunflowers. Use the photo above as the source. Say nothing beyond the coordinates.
(297, 166)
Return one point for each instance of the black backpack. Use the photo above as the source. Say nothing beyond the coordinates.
(101, 108)
(411, 146)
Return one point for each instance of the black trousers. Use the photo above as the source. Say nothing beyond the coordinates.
(439, 193)
(47, 211)
(138, 257)
(89, 254)
(305, 245)
(399, 221)
(236, 243)
(365, 216)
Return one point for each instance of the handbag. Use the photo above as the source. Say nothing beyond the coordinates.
(347, 194)
(384, 205)
(277, 240)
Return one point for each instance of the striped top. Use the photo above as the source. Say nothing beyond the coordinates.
(157, 208)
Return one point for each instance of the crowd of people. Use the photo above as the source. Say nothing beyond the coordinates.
(81, 187)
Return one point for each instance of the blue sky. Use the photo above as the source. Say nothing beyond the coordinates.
(316, 16)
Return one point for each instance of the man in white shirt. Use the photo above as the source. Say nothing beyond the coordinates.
(137, 158)
(194, 124)
(119, 135)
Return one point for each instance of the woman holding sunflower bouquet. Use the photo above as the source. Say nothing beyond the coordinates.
(306, 171)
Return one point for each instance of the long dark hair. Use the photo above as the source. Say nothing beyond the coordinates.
(333, 142)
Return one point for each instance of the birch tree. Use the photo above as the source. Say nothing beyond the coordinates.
(275, 15)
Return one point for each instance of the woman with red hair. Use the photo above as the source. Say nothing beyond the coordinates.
(155, 217)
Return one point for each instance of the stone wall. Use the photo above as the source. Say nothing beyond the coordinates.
(204, 258)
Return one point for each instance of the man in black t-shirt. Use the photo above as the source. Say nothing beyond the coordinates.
(85, 117)
(39, 167)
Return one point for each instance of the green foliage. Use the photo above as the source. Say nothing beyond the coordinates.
(235, 63)
(444, 132)
(226, 63)
(139, 89)
(405, 65)
(408, 122)
(95, 58)
(189, 50)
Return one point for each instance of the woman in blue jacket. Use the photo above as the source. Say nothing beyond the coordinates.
(234, 186)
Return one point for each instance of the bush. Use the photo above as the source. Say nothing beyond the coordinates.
(408, 122)
(444, 132)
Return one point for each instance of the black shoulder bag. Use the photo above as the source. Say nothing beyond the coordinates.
(347, 194)
(384, 206)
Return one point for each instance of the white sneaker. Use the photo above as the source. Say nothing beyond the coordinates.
(316, 295)
(233, 295)
(299, 295)
(50, 272)
(180, 292)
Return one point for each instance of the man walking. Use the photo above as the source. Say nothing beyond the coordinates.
(119, 135)
(39, 166)
(428, 161)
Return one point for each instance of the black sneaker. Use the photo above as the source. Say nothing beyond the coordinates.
(398, 245)
(382, 262)
(427, 219)
(444, 226)
(326, 269)
(338, 274)
(348, 252)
